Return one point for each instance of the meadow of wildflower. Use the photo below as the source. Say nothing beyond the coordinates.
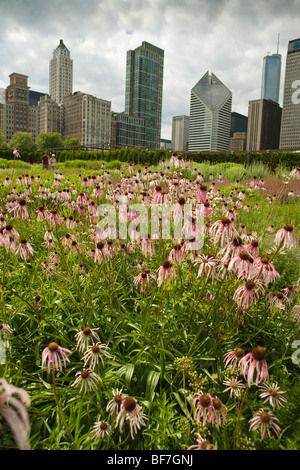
(146, 341)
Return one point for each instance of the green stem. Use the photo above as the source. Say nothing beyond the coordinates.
(60, 411)
(239, 416)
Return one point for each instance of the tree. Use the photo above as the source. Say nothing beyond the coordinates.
(49, 140)
(3, 144)
(22, 141)
(71, 142)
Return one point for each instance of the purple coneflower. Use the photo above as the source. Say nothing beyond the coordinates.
(223, 231)
(252, 248)
(5, 331)
(296, 313)
(234, 357)
(290, 292)
(264, 420)
(295, 172)
(235, 387)
(204, 406)
(54, 355)
(157, 194)
(242, 264)
(255, 363)
(286, 237)
(272, 394)
(177, 253)
(246, 294)
(87, 379)
(277, 300)
(202, 193)
(20, 209)
(265, 270)
(101, 254)
(166, 272)
(202, 444)
(13, 404)
(101, 429)
(147, 246)
(232, 249)
(114, 404)
(95, 353)
(24, 249)
(218, 415)
(84, 337)
(206, 209)
(130, 410)
(144, 279)
(207, 265)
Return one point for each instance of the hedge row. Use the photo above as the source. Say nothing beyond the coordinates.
(272, 160)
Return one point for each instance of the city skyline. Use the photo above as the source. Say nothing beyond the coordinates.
(229, 38)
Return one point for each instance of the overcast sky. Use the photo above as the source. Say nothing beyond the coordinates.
(226, 37)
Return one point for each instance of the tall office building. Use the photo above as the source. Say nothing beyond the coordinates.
(51, 115)
(239, 123)
(88, 118)
(144, 87)
(180, 133)
(270, 84)
(129, 131)
(60, 73)
(16, 114)
(290, 123)
(264, 120)
(210, 116)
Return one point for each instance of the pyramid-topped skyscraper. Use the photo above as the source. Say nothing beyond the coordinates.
(210, 115)
(60, 73)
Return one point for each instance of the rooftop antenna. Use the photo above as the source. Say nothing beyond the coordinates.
(278, 42)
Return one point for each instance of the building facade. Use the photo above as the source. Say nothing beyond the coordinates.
(239, 123)
(264, 120)
(88, 118)
(144, 88)
(238, 142)
(60, 73)
(16, 114)
(210, 116)
(180, 133)
(271, 74)
(50, 115)
(290, 124)
(129, 131)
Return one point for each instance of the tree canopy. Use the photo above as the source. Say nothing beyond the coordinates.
(49, 140)
(71, 142)
(22, 141)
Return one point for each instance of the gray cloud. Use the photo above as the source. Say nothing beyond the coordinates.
(227, 37)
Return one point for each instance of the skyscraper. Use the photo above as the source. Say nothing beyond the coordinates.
(264, 119)
(210, 115)
(88, 118)
(270, 85)
(60, 73)
(290, 123)
(180, 132)
(144, 86)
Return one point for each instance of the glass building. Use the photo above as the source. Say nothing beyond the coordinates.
(144, 87)
(271, 77)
